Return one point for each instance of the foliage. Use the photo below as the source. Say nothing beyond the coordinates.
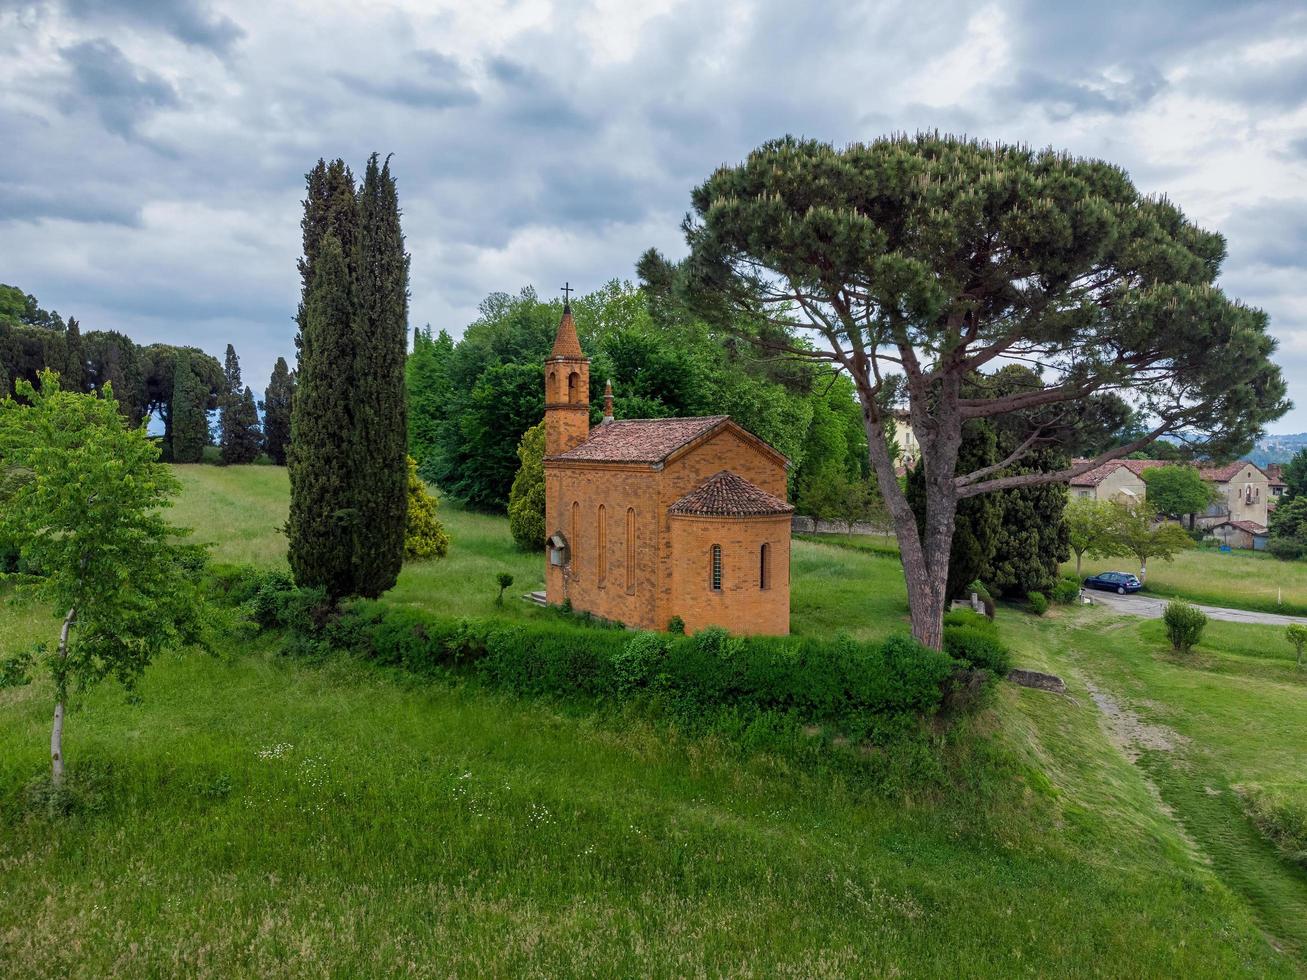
(676, 625)
(1280, 817)
(1294, 474)
(1296, 634)
(1184, 625)
(1038, 603)
(974, 640)
(1134, 531)
(238, 416)
(190, 418)
(922, 258)
(1288, 527)
(1067, 589)
(426, 377)
(424, 536)
(834, 496)
(88, 516)
(1178, 490)
(277, 399)
(526, 500)
(1089, 524)
(505, 581)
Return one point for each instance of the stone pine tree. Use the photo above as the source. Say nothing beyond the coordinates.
(323, 526)
(277, 399)
(238, 416)
(924, 260)
(379, 440)
(190, 419)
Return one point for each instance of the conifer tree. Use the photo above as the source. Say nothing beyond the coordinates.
(241, 439)
(323, 526)
(190, 421)
(74, 374)
(276, 411)
(378, 463)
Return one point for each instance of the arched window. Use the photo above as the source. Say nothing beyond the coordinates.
(715, 571)
(601, 556)
(551, 389)
(573, 380)
(630, 550)
(575, 536)
(764, 566)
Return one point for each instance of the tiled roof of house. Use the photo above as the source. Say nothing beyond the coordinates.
(1275, 473)
(1222, 474)
(566, 342)
(1092, 478)
(640, 440)
(726, 495)
(1252, 527)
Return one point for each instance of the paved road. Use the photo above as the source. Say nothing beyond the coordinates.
(1150, 608)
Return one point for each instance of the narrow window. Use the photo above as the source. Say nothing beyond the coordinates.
(602, 556)
(764, 567)
(630, 550)
(551, 391)
(572, 380)
(716, 582)
(576, 529)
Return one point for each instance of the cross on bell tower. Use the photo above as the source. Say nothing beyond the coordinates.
(567, 386)
(567, 297)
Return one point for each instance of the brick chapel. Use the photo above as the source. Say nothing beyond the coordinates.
(654, 518)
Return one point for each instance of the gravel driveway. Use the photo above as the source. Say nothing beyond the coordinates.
(1150, 608)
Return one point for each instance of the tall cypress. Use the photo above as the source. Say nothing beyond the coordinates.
(239, 418)
(74, 373)
(190, 421)
(276, 411)
(323, 527)
(379, 462)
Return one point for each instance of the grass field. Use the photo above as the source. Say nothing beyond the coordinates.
(253, 814)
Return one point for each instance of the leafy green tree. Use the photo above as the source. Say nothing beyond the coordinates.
(1089, 526)
(424, 536)
(323, 526)
(1178, 491)
(114, 359)
(426, 375)
(526, 499)
(931, 257)
(277, 400)
(1295, 475)
(1288, 528)
(89, 518)
(1296, 634)
(190, 417)
(379, 437)
(1135, 531)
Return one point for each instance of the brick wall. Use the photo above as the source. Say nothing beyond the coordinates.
(742, 604)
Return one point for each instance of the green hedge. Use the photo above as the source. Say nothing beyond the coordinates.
(973, 639)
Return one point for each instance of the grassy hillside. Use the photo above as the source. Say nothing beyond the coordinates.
(255, 814)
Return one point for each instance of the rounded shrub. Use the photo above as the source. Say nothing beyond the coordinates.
(676, 625)
(1038, 603)
(977, 647)
(1066, 590)
(1184, 625)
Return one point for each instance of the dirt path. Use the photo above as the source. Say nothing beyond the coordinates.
(1150, 608)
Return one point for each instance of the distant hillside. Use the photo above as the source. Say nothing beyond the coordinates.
(1277, 448)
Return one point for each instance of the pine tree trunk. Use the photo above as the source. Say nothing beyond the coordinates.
(57, 728)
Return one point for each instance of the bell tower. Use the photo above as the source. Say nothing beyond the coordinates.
(567, 387)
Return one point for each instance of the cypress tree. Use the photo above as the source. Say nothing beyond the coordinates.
(330, 208)
(323, 526)
(241, 440)
(378, 465)
(276, 411)
(74, 373)
(190, 421)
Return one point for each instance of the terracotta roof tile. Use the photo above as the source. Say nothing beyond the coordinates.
(566, 343)
(726, 495)
(1221, 474)
(640, 440)
(1252, 527)
(1092, 478)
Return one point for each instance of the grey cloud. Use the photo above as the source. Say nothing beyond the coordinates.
(1270, 233)
(1063, 99)
(438, 83)
(121, 93)
(30, 202)
(189, 21)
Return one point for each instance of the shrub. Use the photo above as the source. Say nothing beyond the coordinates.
(983, 595)
(676, 625)
(1184, 625)
(1286, 549)
(639, 662)
(1296, 634)
(978, 647)
(1066, 590)
(966, 617)
(1281, 818)
(505, 581)
(1038, 603)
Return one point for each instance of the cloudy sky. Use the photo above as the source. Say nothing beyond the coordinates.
(152, 152)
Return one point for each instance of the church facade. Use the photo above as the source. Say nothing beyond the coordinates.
(649, 519)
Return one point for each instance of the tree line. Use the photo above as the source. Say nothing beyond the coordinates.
(179, 385)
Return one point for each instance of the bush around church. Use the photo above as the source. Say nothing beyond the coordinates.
(863, 691)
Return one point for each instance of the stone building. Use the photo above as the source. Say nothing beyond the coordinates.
(654, 518)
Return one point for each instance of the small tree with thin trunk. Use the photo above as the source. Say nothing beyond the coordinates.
(1135, 531)
(928, 260)
(1178, 490)
(1089, 529)
(83, 502)
(1296, 634)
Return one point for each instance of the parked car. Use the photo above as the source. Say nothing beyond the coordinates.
(1118, 582)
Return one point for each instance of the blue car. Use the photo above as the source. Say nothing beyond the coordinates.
(1118, 582)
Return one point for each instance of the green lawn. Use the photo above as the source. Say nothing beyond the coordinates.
(1238, 579)
(253, 814)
